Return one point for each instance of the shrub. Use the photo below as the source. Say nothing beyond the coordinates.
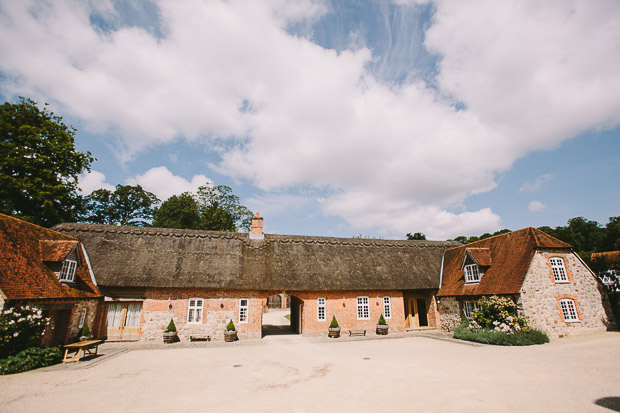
(497, 313)
(230, 326)
(382, 321)
(31, 358)
(20, 328)
(85, 331)
(501, 338)
(171, 327)
(334, 323)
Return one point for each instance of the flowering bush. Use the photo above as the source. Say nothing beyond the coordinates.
(20, 328)
(498, 314)
(495, 321)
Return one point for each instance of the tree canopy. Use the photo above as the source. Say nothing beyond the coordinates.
(213, 208)
(39, 165)
(127, 205)
(417, 236)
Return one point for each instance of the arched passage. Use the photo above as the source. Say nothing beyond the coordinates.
(282, 320)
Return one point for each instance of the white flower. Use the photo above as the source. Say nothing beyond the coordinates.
(11, 322)
(15, 334)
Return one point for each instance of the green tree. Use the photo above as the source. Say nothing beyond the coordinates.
(178, 212)
(39, 165)
(220, 209)
(127, 205)
(213, 208)
(417, 236)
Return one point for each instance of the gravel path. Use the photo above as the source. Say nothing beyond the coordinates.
(418, 371)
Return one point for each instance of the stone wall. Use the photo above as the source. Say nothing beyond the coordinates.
(449, 313)
(92, 311)
(541, 295)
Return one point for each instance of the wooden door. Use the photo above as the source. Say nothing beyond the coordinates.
(123, 321)
(415, 312)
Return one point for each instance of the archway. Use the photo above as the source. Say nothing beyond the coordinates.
(280, 320)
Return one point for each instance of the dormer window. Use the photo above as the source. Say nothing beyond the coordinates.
(472, 273)
(67, 273)
(559, 272)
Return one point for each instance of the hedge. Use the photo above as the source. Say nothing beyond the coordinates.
(31, 358)
(500, 338)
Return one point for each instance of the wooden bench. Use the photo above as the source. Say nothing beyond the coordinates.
(200, 337)
(81, 348)
(357, 333)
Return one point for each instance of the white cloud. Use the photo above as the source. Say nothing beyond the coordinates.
(538, 183)
(530, 74)
(536, 206)
(90, 181)
(164, 184)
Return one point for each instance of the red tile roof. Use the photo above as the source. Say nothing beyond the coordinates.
(609, 256)
(509, 256)
(55, 251)
(482, 256)
(23, 273)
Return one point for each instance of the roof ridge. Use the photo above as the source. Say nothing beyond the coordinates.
(244, 237)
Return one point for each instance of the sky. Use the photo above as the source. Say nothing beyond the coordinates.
(338, 118)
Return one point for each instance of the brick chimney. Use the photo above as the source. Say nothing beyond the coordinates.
(256, 231)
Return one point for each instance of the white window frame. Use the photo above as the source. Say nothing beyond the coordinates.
(321, 309)
(244, 310)
(387, 307)
(472, 274)
(468, 309)
(569, 310)
(559, 270)
(363, 308)
(82, 317)
(195, 307)
(67, 273)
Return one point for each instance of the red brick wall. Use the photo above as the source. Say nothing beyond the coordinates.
(345, 310)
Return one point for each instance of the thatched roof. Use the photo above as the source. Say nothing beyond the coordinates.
(157, 257)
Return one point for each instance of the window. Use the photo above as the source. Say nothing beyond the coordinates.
(472, 274)
(82, 318)
(194, 312)
(568, 310)
(243, 310)
(67, 273)
(559, 273)
(320, 309)
(387, 307)
(133, 314)
(363, 308)
(468, 308)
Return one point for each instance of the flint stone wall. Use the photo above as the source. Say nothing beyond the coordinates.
(541, 295)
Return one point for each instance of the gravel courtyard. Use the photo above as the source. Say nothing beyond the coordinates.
(292, 373)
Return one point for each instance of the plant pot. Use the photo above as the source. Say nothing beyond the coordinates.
(382, 330)
(334, 332)
(230, 336)
(171, 337)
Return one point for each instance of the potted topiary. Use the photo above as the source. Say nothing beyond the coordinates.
(170, 333)
(382, 326)
(334, 328)
(230, 334)
(84, 333)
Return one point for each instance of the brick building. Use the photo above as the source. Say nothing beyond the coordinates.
(202, 279)
(554, 289)
(50, 270)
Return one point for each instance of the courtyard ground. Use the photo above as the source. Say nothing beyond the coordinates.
(423, 372)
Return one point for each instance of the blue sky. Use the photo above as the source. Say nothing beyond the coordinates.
(339, 118)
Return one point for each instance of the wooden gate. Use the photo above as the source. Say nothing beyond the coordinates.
(123, 321)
